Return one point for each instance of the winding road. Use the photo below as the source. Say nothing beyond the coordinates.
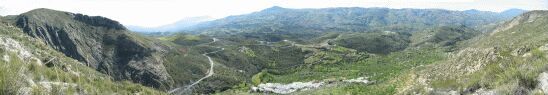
(178, 91)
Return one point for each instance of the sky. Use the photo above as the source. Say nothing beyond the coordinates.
(153, 13)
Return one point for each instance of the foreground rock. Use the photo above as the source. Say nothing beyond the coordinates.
(300, 86)
(287, 88)
(358, 80)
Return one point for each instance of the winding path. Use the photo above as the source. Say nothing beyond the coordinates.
(209, 72)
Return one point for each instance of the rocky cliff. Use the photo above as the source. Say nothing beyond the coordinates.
(99, 42)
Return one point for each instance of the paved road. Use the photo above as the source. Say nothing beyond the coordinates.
(178, 91)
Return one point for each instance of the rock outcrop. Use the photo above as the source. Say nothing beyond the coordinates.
(99, 42)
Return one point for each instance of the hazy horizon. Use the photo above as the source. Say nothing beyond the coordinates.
(149, 13)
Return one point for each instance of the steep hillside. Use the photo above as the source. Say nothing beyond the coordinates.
(511, 60)
(99, 42)
(447, 37)
(30, 67)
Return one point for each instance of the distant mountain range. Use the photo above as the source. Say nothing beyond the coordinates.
(174, 27)
(512, 12)
(284, 23)
(333, 18)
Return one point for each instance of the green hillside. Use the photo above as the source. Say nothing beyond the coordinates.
(276, 23)
(349, 51)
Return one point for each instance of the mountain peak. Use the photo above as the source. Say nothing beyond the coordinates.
(513, 12)
(274, 8)
(50, 15)
(43, 11)
(99, 21)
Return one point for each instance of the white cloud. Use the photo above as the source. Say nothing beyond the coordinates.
(159, 12)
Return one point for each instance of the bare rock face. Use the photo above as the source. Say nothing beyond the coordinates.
(287, 88)
(543, 82)
(525, 18)
(99, 42)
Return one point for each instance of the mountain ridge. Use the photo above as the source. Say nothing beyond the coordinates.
(285, 23)
(31, 66)
(99, 42)
(173, 27)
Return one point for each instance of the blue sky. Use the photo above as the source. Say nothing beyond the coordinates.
(151, 13)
